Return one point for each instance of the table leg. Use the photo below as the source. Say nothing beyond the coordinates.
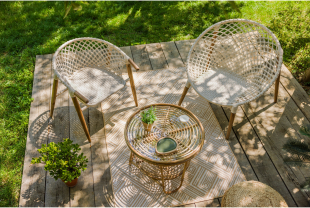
(131, 158)
(182, 178)
(162, 178)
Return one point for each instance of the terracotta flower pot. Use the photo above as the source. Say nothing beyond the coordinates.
(71, 183)
(148, 127)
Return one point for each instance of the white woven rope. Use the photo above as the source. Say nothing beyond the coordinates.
(234, 61)
(91, 66)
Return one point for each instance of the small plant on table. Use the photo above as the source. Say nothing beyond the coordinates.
(62, 161)
(148, 118)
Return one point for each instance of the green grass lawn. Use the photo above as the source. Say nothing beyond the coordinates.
(31, 28)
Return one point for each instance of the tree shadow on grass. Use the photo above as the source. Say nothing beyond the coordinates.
(41, 27)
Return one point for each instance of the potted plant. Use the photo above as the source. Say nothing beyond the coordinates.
(62, 161)
(148, 118)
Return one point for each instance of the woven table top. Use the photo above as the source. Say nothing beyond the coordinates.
(189, 135)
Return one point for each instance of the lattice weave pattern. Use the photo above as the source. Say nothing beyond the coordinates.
(245, 54)
(169, 168)
(90, 65)
(87, 52)
(252, 194)
(189, 135)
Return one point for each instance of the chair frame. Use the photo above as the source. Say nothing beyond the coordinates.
(75, 95)
(276, 78)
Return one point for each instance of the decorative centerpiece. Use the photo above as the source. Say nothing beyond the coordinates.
(62, 161)
(148, 118)
(166, 146)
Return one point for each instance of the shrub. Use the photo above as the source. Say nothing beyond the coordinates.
(62, 160)
(292, 27)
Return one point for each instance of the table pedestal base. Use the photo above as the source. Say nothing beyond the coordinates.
(170, 177)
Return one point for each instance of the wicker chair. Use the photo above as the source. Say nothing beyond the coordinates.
(90, 68)
(234, 62)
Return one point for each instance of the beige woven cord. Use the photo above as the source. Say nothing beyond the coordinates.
(91, 69)
(90, 66)
(252, 194)
(234, 62)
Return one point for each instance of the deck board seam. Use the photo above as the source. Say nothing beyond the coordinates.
(164, 55)
(302, 111)
(269, 157)
(179, 52)
(241, 146)
(149, 57)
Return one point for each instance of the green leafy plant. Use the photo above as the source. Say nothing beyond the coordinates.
(300, 153)
(73, 5)
(62, 160)
(291, 26)
(148, 116)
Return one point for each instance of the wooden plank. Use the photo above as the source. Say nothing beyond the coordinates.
(259, 158)
(127, 50)
(33, 181)
(57, 193)
(234, 144)
(284, 121)
(82, 195)
(141, 57)
(101, 167)
(172, 54)
(156, 56)
(295, 90)
(184, 46)
(209, 203)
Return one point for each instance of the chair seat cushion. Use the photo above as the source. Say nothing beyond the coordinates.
(95, 84)
(224, 88)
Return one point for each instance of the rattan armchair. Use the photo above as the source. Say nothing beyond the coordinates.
(234, 62)
(90, 68)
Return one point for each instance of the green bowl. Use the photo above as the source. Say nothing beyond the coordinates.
(166, 145)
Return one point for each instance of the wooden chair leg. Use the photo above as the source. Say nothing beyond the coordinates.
(276, 89)
(231, 121)
(54, 92)
(187, 86)
(132, 83)
(80, 114)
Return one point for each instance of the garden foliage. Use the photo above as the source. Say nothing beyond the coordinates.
(62, 160)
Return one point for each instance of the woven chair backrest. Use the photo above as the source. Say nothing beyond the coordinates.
(243, 48)
(79, 53)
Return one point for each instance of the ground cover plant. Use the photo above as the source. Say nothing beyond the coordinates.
(63, 160)
(28, 29)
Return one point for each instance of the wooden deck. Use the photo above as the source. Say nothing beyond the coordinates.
(259, 132)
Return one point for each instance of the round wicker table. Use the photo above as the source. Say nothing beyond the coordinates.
(167, 170)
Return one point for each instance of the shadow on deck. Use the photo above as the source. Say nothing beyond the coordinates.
(259, 132)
